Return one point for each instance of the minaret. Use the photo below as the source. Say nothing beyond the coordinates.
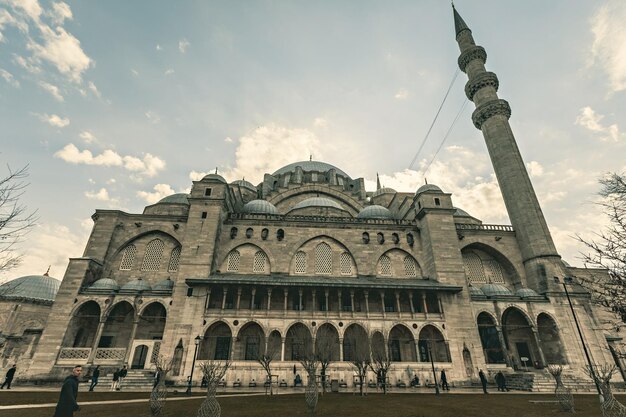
(541, 260)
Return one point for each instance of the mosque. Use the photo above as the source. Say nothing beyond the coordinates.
(233, 270)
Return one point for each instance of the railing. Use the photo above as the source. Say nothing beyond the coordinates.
(288, 217)
(73, 355)
(491, 227)
(110, 354)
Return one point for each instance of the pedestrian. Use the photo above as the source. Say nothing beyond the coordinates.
(157, 378)
(69, 392)
(8, 378)
(116, 380)
(123, 373)
(501, 381)
(483, 380)
(444, 381)
(94, 378)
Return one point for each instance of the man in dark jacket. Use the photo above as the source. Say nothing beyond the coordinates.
(444, 381)
(94, 378)
(69, 392)
(123, 374)
(8, 378)
(483, 381)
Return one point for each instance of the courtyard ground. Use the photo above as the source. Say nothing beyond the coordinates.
(348, 405)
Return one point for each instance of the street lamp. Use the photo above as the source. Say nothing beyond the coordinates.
(193, 364)
(432, 364)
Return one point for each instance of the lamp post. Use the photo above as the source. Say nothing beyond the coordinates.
(432, 364)
(193, 364)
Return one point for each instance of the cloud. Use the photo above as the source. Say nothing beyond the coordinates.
(134, 72)
(101, 195)
(54, 120)
(169, 71)
(183, 45)
(401, 95)
(152, 116)
(6, 19)
(320, 122)
(60, 12)
(27, 64)
(160, 191)
(609, 49)
(52, 89)
(87, 137)
(158, 47)
(30, 8)
(228, 139)
(534, 169)
(8, 77)
(92, 87)
(148, 166)
(591, 120)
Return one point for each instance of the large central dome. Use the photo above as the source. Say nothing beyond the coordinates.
(308, 166)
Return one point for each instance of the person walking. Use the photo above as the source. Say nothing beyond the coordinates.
(94, 378)
(444, 381)
(69, 392)
(483, 380)
(8, 378)
(123, 373)
(501, 381)
(116, 380)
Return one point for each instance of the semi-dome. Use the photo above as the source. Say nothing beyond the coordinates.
(136, 285)
(476, 292)
(375, 212)
(178, 198)
(165, 285)
(494, 290)
(526, 292)
(308, 166)
(462, 213)
(428, 187)
(260, 207)
(214, 177)
(384, 190)
(32, 287)
(105, 284)
(244, 184)
(317, 202)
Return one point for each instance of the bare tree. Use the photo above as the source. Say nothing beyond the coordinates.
(213, 372)
(381, 362)
(357, 347)
(608, 251)
(326, 348)
(15, 219)
(307, 357)
(602, 375)
(265, 359)
(159, 391)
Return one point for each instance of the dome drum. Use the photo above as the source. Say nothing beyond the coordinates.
(375, 212)
(260, 207)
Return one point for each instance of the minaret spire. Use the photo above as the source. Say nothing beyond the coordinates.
(377, 182)
(541, 260)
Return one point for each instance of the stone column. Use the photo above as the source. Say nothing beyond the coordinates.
(411, 304)
(341, 349)
(542, 357)
(382, 302)
(282, 348)
(132, 339)
(300, 292)
(424, 307)
(252, 299)
(269, 298)
(99, 331)
(238, 298)
(208, 299)
(339, 303)
(327, 305)
(417, 350)
(224, 295)
(398, 302)
(367, 303)
(286, 293)
(314, 301)
(440, 306)
(505, 351)
(352, 302)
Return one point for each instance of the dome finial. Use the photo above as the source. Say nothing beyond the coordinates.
(310, 157)
(47, 272)
(378, 187)
(215, 170)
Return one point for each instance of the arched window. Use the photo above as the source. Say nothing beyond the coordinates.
(345, 263)
(493, 271)
(233, 261)
(474, 268)
(128, 258)
(323, 259)
(280, 234)
(410, 268)
(174, 259)
(260, 259)
(300, 266)
(249, 232)
(152, 258)
(384, 266)
(366, 237)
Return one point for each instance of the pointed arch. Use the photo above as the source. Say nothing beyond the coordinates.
(323, 259)
(250, 342)
(128, 257)
(346, 264)
(298, 342)
(216, 343)
(152, 319)
(486, 264)
(174, 259)
(118, 326)
(153, 255)
(490, 339)
(83, 325)
(517, 329)
(300, 262)
(432, 342)
(398, 263)
(260, 263)
(234, 258)
(550, 338)
(401, 344)
(327, 342)
(355, 340)
(385, 269)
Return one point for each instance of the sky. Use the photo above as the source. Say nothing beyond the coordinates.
(117, 104)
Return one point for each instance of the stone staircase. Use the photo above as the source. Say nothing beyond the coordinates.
(136, 380)
(542, 381)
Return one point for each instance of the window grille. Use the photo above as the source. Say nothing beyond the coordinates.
(260, 259)
(128, 258)
(345, 263)
(323, 259)
(174, 259)
(493, 270)
(385, 266)
(300, 263)
(233, 261)
(410, 269)
(152, 258)
(474, 268)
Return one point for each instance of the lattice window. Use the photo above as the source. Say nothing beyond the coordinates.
(174, 259)
(128, 258)
(156, 350)
(493, 270)
(474, 268)
(384, 266)
(323, 259)
(300, 263)
(260, 259)
(345, 264)
(152, 258)
(410, 267)
(233, 261)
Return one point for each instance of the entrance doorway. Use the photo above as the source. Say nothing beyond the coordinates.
(139, 358)
(523, 353)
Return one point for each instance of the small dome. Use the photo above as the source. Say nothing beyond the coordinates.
(105, 284)
(384, 190)
(179, 198)
(461, 213)
(308, 166)
(214, 177)
(136, 285)
(494, 290)
(260, 207)
(475, 291)
(317, 202)
(375, 212)
(526, 292)
(428, 187)
(244, 184)
(33, 287)
(165, 285)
